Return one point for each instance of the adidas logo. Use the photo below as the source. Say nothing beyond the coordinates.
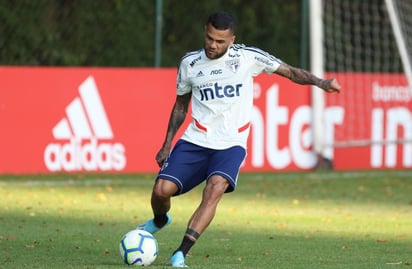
(200, 74)
(80, 131)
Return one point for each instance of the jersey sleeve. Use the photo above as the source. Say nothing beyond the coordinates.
(263, 61)
(182, 80)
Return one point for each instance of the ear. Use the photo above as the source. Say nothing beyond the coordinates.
(233, 39)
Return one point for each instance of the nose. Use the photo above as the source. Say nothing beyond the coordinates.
(213, 44)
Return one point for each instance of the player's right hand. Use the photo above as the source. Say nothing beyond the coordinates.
(162, 155)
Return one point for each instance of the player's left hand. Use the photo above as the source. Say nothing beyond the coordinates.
(332, 86)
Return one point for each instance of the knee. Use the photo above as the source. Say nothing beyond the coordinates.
(164, 189)
(217, 185)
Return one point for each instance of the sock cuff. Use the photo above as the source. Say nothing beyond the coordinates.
(192, 233)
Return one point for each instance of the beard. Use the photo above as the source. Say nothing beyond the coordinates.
(214, 54)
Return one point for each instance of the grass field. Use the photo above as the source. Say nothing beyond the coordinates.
(280, 220)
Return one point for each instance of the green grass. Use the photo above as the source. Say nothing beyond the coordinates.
(279, 220)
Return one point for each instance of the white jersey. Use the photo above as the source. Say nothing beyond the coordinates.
(222, 94)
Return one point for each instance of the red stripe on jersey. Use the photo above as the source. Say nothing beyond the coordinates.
(200, 126)
(244, 127)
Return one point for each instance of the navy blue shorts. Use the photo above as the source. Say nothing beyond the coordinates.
(188, 165)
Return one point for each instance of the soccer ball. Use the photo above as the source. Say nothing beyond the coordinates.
(138, 247)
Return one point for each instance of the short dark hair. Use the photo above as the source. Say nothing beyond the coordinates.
(222, 20)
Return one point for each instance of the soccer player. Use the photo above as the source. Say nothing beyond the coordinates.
(218, 81)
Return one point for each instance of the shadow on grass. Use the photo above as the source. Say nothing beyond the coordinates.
(46, 241)
(271, 221)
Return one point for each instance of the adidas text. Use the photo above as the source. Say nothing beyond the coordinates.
(88, 155)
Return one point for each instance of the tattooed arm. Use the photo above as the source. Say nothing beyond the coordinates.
(304, 77)
(176, 119)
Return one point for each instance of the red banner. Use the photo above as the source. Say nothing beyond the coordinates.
(371, 121)
(115, 119)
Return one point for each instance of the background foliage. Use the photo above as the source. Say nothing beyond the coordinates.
(122, 32)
